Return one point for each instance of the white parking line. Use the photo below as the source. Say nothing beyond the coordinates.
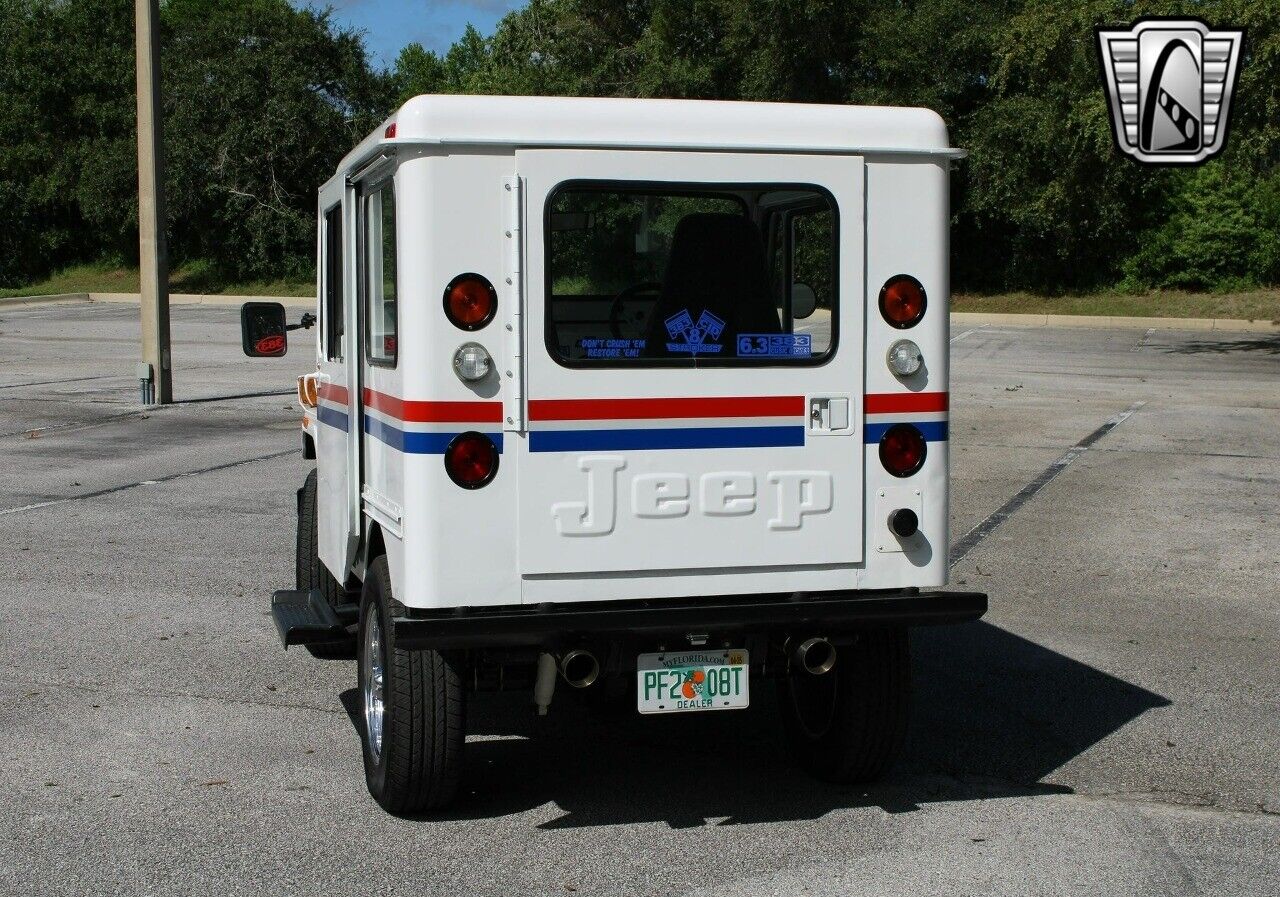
(962, 335)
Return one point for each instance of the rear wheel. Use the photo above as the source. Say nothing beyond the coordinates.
(412, 705)
(849, 724)
(310, 573)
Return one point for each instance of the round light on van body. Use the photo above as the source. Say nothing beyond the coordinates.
(903, 358)
(902, 450)
(472, 362)
(470, 301)
(902, 301)
(471, 460)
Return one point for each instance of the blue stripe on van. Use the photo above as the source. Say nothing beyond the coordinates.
(932, 430)
(675, 438)
(412, 443)
(332, 416)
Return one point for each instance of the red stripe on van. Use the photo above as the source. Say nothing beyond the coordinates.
(655, 409)
(333, 392)
(905, 402)
(412, 411)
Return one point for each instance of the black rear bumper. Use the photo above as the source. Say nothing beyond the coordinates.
(828, 614)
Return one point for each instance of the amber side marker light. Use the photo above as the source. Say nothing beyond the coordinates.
(471, 460)
(470, 301)
(308, 392)
(902, 450)
(902, 301)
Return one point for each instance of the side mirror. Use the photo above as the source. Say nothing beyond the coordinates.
(263, 329)
(803, 300)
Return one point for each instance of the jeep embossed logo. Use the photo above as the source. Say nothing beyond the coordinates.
(1169, 82)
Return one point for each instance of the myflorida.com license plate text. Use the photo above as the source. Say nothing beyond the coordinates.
(683, 681)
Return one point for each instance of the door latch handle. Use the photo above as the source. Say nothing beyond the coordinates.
(828, 414)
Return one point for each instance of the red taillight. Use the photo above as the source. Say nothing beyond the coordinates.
(902, 450)
(902, 301)
(470, 301)
(471, 460)
(390, 132)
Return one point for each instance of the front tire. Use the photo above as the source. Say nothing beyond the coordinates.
(849, 725)
(412, 704)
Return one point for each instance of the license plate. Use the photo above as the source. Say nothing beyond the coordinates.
(684, 681)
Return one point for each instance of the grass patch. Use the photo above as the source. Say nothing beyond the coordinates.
(1253, 305)
(191, 278)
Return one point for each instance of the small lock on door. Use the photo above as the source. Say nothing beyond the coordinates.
(828, 414)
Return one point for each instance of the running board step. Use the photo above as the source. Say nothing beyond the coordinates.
(305, 618)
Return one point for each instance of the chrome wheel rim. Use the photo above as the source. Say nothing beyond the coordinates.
(373, 684)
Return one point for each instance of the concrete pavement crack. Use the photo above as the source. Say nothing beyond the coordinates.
(140, 693)
(158, 480)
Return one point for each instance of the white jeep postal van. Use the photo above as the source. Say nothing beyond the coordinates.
(631, 394)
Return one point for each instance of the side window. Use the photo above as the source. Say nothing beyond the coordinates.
(380, 273)
(334, 307)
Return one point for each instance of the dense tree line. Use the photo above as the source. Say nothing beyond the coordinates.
(261, 99)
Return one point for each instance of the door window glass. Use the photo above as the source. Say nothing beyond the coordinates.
(691, 276)
(333, 310)
(380, 273)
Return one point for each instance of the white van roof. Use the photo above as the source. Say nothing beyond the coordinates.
(461, 120)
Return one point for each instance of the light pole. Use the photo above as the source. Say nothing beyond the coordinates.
(155, 374)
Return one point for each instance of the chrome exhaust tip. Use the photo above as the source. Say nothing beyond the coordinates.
(815, 656)
(579, 668)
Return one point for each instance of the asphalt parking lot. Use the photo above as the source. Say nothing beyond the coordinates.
(1111, 727)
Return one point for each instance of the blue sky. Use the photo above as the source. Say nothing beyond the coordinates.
(390, 24)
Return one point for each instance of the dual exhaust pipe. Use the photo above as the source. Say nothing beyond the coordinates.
(816, 656)
(813, 655)
(579, 668)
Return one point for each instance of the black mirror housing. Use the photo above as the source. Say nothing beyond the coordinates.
(263, 330)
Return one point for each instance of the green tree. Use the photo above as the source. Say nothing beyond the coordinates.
(261, 100)
(67, 158)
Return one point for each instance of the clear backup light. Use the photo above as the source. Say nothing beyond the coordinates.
(904, 358)
(472, 362)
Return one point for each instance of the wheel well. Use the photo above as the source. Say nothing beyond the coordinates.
(374, 546)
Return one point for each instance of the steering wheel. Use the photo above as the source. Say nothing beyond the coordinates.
(615, 308)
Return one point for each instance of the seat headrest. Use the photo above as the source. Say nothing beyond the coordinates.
(716, 265)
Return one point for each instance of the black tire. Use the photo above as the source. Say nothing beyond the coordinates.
(849, 725)
(418, 762)
(310, 573)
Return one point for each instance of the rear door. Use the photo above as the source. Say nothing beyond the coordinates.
(684, 407)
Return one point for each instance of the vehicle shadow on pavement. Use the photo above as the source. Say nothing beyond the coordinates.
(1269, 345)
(994, 715)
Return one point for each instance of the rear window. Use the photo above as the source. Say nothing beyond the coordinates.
(690, 276)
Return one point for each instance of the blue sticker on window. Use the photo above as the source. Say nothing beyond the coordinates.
(775, 344)
(612, 348)
(694, 338)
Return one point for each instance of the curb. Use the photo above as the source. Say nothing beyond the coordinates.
(206, 299)
(990, 319)
(53, 299)
(174, 299)
(1113, 322)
